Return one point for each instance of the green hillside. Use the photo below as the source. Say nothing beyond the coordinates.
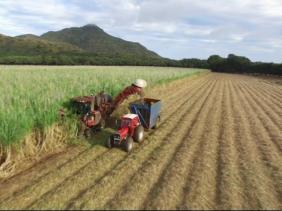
(32, 45)
(28, 36)
(93, 39)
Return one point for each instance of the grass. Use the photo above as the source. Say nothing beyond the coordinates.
(32, 95)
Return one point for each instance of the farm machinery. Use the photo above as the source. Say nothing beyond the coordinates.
(143, 116)
(95, 110)
(130, 130)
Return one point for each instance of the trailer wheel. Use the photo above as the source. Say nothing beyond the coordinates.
(128, 144)
(110, 142)
(139, 134)
(157, 123)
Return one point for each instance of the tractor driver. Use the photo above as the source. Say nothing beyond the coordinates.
(135, 88)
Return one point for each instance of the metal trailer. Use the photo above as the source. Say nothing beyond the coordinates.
(148, 112)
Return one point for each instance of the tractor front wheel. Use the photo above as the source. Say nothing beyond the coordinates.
(139, 134)
(128, 144)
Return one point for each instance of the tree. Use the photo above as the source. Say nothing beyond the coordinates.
(216, 63)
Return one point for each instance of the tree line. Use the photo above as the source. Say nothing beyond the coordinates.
(94, 59)
(240, 64)
(231, 64)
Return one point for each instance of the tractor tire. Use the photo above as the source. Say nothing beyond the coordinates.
(157, 123)
(128, 144)
(138, 135)
(110, 143)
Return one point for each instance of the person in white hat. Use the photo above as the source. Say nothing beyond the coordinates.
(136, 88)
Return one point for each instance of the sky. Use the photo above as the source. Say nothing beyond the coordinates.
(172, 28)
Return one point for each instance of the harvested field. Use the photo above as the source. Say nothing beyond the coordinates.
(219, 146)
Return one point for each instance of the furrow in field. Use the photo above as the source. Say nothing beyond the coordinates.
(271, 82)
(269, 151)
(40, 169)
(164, 194)
(83, 181)
(261, 194)
(166, 91)
(276, 88)
(267, 82)
(176, 94)
(273, 111)
(200, 189)
(167, 191)
(268, 92)
(263, 114)
(231, 193)
(29, 193)
(250, 200)
(102, 190)
(139, 185)
(272, 123)
(56, 175)
(68, 168)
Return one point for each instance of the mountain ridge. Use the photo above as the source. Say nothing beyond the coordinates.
(31, 45)
(93, 39)
(88, 39)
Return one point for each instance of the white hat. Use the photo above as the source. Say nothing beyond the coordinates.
(140, 83)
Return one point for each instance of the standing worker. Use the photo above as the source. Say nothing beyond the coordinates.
(135, 88)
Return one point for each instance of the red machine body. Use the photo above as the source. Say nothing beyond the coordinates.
(93, 111)
(130, 129)
(130, 90)
(128, 124)
(92, 118)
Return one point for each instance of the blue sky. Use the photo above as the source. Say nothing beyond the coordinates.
(172, 28)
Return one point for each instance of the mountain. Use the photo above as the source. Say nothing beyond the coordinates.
(86, 45)
(33, 45)
(93, 39)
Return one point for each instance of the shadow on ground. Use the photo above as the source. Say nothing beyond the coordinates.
(100, 137)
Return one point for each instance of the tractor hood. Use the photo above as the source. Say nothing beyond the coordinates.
(123, 132)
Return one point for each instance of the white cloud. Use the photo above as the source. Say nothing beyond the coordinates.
(190, 28)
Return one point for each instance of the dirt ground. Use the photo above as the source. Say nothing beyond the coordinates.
(219, 146)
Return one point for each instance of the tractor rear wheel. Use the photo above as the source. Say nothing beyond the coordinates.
(138, 135)
(128, 144)
(110, 143)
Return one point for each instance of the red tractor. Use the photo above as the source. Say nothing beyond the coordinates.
(130, 130)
